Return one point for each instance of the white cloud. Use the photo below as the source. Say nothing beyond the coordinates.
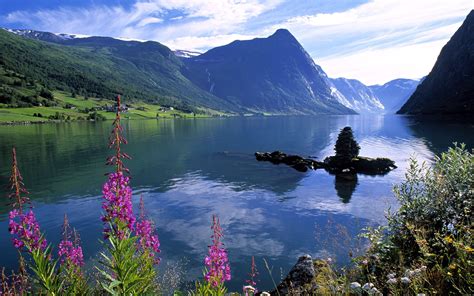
(381, 65)
(211, 19)
(373, 42)
(199, 43)
(382, 39)
(148, 21)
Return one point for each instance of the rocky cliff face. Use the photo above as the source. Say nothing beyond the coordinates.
(358, 96)
(273, 74)
(449, 88)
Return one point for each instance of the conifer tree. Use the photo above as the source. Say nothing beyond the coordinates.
(346, 147)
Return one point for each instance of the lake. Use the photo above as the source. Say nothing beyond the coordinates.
(187, 170)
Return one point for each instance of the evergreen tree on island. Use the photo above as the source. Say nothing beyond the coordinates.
(346, 147)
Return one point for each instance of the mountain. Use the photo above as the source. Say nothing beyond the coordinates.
(274, 75)
(357, 96)
(449, 88)
(103, 67)
(44, 36)
(395, 93)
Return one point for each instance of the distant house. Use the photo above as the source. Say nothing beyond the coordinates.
(123, 108)
(166, 108)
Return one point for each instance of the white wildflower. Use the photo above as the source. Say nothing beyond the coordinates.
(375, 291)
(392, 281)
(391, 275)
(354, 285)
(367, 286)
(265, 294)
(405, 280)
(409, 273)
(249, 289)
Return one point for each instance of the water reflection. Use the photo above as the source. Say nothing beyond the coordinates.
(345, 186)
(187, 170)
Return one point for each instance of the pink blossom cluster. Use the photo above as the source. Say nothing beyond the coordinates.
(148, 240)
(217, 262)
(117, 203)
(27, 231)
(70, 253)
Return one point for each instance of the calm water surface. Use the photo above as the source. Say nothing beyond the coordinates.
(187, 170)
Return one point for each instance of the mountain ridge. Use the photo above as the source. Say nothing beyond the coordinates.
(270, 74)
(310, 90)
(449, 87)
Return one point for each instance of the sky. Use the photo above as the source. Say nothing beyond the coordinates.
(373, 41)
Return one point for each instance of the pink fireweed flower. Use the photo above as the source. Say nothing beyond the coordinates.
(70, 251)
(26, 231)
(148, 240)
(70, 254)
(217, 262)
(117, 204)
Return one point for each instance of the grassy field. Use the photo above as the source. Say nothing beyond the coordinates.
(76, 109)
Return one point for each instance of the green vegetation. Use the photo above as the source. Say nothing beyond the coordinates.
(96, 68)
(427, 247)
(26, 100)
(66, 108)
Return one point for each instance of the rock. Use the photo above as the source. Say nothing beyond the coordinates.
(300, 166)
(337, 165)
(373, 166)
(301, 275)
(295, 161)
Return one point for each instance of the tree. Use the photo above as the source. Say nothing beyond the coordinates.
(346, 147)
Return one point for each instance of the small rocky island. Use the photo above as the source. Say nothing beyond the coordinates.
(346, 163)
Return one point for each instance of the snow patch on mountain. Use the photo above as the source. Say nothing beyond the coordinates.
(355, 95)
(186, 53)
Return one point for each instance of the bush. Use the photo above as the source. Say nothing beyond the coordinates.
(346, 147)
(428, 241)
(96, 116)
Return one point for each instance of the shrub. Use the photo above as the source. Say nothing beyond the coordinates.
(346, 147)
(427, 245)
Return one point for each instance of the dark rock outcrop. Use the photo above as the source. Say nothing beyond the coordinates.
(298, 279)
(449, 88)
(332, 164)
(297, 162)
(360, 164)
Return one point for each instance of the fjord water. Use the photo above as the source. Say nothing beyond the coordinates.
(187, 170)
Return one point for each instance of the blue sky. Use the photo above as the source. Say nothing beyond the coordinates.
(370, 40)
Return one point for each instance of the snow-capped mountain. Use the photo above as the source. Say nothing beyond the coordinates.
(395, 93)
(356, 95)
(45, 36)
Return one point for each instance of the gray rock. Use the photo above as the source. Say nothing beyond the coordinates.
(299, 276)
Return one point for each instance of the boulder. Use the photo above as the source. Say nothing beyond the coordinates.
(299, 277)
